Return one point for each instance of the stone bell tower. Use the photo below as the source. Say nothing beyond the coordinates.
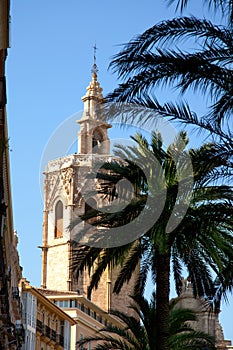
(93, 134)
(65, 179)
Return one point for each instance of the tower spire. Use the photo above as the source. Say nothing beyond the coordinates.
(94, 91)
(94, 68)
(93, 127)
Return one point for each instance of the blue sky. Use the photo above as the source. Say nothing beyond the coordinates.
(48, 69)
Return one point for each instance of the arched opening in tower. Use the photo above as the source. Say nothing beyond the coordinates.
(97, 141)
(58, 231)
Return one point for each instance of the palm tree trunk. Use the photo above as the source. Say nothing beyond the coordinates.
(162, 300)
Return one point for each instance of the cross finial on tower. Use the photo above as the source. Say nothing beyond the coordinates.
(95, 48)
(94, 68)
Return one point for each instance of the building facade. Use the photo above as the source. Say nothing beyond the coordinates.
(11, 331)
(47, 327)
(88, 316)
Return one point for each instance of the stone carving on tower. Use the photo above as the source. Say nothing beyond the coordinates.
(65, 180)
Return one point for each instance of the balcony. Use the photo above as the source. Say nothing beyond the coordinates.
(15, 302)
(4, 310)
(20, 333)
(78, 160)
(2, 92)
(39, 326)
(54, 335)
(15, 293)
(60, 339)
(47, 332)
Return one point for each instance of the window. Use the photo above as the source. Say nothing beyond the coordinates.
(90, 205)
(58, 220)
(81, 338)
(62, 328)
(97, 140)
(60, 303)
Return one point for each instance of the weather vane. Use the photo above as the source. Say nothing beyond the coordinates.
(94, 69)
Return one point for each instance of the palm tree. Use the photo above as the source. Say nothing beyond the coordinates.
(192, 228)
(136, 333)
(162, 56)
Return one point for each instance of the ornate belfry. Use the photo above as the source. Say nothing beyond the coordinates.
(93, 134)
(65, 179)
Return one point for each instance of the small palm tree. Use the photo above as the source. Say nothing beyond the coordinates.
(137, 333)
(201, 240)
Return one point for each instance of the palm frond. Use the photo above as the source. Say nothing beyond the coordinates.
(131, 264)
(170, 31)
(225, 7)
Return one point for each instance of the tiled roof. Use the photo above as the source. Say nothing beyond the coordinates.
(55, 292)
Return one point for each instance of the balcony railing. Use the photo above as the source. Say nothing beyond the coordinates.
(54, 335)
(78, 159)
(20, 333)
(15, 293)
(39, 326)
(47, 331)
(50, 333)
(2, 92)
(4, 311)
(60, 340)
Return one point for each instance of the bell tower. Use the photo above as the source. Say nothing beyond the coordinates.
(93, 134)
(64, 181)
